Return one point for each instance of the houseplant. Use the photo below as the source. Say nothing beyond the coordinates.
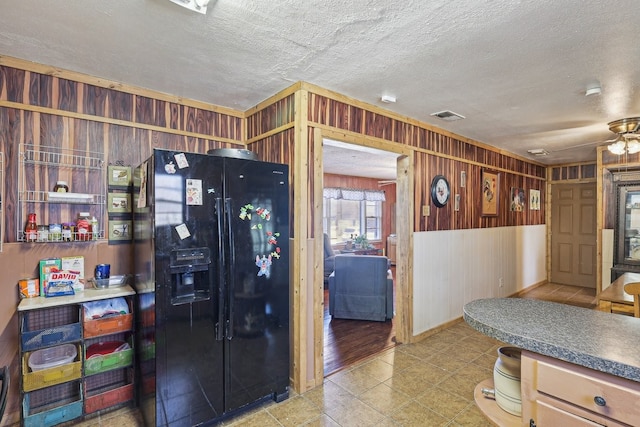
(361, 241)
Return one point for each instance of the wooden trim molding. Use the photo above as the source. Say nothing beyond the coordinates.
(119, 122)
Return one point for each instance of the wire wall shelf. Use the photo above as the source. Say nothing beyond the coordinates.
(71, 158)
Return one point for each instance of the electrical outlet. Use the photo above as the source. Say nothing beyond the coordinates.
(500, 282)
(425, 210)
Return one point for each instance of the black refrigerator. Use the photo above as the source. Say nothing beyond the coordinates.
(211, 250)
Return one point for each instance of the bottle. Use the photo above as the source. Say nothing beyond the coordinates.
(94, 228)
(83, 227)
(31, 229)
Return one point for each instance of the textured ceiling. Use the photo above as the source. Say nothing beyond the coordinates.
(517, 70)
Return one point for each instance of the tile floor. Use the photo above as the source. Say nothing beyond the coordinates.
(429, 383)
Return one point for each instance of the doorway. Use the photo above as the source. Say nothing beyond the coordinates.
(348, 341)
(573, 234)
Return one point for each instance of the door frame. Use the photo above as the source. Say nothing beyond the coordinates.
(404, 227)
(551, 187)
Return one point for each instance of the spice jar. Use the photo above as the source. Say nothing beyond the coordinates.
(43, 233)
(55, 232)
(83, 227)
(67, 231)
(61, 187)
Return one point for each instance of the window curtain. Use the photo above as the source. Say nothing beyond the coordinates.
(353, 194)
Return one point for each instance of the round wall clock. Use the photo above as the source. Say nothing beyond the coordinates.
(440, 191)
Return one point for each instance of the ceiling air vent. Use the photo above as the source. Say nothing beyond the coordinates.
(448, 116)
(538, 152)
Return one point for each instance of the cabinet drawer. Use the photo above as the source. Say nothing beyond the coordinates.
(109, 325)
(108, 398)
(581, 386)
(548, 415)
(108, 389)
(49, 337)
(54, 416)
(48, 377)
(49, 327)
(52, 405)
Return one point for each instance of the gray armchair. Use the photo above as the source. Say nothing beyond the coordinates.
(361, 287)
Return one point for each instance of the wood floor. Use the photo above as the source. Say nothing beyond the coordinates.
(349, 341)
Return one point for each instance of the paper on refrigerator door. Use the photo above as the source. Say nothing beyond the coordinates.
(183, 231)
(194, 192)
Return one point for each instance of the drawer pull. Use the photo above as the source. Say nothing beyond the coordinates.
(600, 401)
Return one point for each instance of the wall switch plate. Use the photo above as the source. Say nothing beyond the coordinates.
(425, 210)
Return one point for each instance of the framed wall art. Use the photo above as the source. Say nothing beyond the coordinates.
(534, 200)
(119, 203)
(490, 193)
(120, 231)
(517, 198)
(119, 176)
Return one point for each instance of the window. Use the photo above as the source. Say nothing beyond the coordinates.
(343, 219)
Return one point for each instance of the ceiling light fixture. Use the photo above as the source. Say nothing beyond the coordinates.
(199, 6)
(628, 139)
(595, 89)
(388, 99)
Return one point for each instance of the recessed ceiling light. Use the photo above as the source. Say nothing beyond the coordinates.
(448, 115)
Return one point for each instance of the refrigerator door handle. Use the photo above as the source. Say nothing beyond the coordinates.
(232, 259)
(221, 324)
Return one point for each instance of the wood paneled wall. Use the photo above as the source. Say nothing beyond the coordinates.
(440, 153)
(280, 113)
(45, 110)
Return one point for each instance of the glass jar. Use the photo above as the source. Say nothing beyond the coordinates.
(61, 187)
(68, 229)
(83, 227)
(55, 232)
(43, 233)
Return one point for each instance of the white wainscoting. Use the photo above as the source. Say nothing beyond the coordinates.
(451, 268)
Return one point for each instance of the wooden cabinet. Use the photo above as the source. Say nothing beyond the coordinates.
(560, 393)
(83, 385)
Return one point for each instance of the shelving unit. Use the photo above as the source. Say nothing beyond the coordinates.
(85, 385)
(38, 170)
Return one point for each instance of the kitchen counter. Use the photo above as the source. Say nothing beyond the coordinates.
(601, 341)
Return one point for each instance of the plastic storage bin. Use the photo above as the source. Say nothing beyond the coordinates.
(53, 356)
(48, 376)
(100, 357)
